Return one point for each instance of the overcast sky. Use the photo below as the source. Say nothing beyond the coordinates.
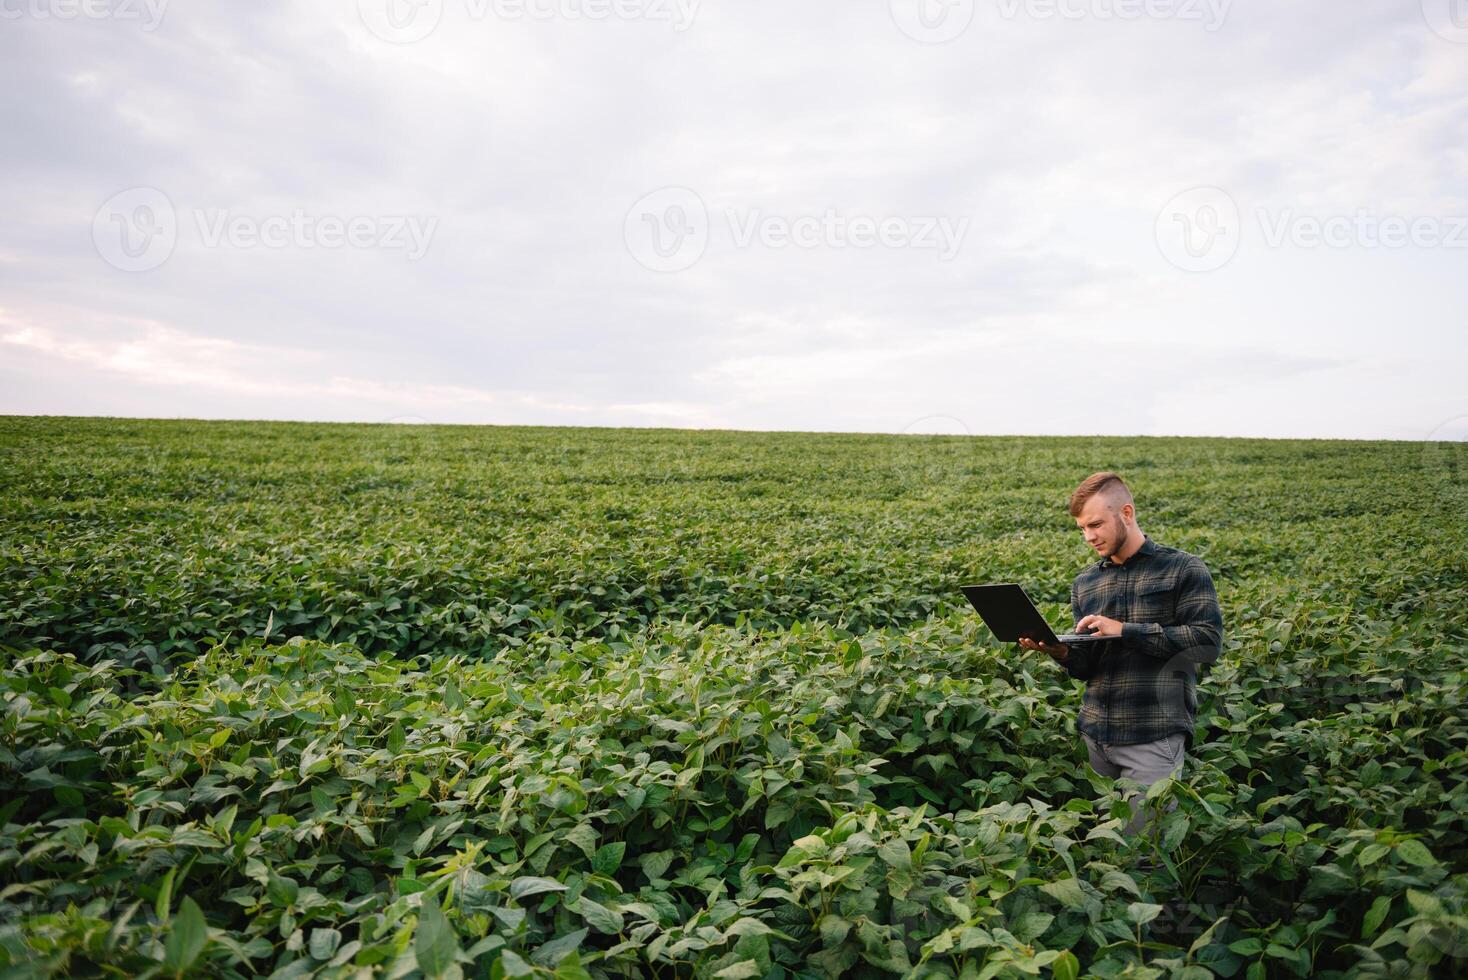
(1195, 217)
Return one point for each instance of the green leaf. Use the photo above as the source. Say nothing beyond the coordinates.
(1206, 937)
(583, 835)
(511, 918)
(1067, 891)
(1175, 830)
(524, 887)
(1248, 946)
(1031, 925)
(748, 926)
(599, 917)
(434, 944)
(1326, 880)
(895, 852)
(778, 813)
(1416, 853)
(656, 864)
(1193, 972)
(1421, 903)
(324, 943)
(281, 891)
(165, 896)
(551, 953)
(834, 929)
(740, 971)
(514, 965)
(1141, 913)
(571, 969)
(609, 858)
(1066, 966)
(224, 821)
(187, 937)
(1375, 915)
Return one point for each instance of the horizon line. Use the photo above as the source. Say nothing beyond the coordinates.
(425, 423)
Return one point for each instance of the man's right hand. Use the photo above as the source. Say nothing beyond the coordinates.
(1058, 651)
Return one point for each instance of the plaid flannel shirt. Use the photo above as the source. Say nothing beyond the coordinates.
(1140, 686)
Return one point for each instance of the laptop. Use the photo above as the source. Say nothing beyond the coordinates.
(1010, 614)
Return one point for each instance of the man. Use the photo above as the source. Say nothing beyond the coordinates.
(1160, 607)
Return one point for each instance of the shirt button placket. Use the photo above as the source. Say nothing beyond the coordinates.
(1126, 614)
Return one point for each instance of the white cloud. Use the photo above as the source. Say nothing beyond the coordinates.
(528, 140)
(152, 354)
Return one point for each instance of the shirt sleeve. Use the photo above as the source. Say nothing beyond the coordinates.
(1080, 661)
(1199, 637)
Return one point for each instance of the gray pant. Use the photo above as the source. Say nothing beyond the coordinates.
(1144, 763)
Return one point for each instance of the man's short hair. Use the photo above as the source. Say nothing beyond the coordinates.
(1105, 482)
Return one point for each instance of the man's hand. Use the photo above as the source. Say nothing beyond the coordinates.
(1099, 626)
(1059, 651)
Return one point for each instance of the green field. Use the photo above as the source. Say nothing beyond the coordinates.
(334, 700)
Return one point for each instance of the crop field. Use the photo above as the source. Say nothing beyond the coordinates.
(341, 700)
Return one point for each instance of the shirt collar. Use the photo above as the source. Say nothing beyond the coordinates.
(1148, 548)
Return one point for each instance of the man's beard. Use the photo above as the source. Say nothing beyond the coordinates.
(1119, 538)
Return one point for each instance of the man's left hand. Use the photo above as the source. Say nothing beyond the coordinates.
(1101, 625)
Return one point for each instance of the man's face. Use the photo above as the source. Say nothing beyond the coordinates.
(1104, 529)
